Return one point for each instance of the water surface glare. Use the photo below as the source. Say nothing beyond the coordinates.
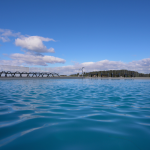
(75, 114)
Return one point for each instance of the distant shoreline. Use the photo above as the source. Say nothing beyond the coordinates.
(102, 78)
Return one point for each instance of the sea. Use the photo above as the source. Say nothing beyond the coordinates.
(75, 114)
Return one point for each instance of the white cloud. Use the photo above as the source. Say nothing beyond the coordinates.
(11, 62)
(6, 33)
(36, 59)
(142, 66)
(28, 59)
(4, 39)
(34, 43)
(31, 43)
(34, 46)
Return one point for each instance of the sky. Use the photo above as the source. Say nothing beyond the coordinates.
(66, 35)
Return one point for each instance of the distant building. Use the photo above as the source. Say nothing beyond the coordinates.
(13, 68)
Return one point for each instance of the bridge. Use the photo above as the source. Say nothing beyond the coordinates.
(27, 74)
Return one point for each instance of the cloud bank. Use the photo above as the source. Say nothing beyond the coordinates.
(142, 66)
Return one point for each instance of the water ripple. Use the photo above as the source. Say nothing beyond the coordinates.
(75, 114)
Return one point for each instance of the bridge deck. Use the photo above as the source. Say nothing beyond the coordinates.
(27, 74)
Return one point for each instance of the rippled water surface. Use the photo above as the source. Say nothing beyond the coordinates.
(75, 114)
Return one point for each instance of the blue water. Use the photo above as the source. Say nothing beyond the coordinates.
(75, 114)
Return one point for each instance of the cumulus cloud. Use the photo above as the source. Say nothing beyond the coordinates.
(34, 43)
(30, 43)
(6, 33)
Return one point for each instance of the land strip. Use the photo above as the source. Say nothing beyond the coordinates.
(102, 78)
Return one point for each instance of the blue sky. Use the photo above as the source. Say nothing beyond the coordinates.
(83, 30)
